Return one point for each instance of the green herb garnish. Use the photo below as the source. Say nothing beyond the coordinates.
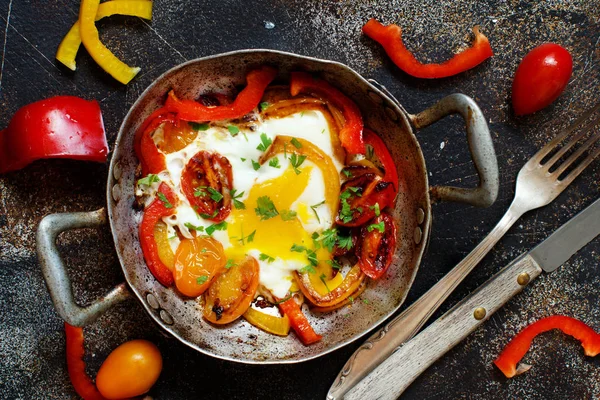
(296, 162)
(379, 226)
(274, 162)
(255, 165)
(221, 226)
(288, 215)
(237, 203)
(230, 263)
(198, 127)
(296, 143)
(314, 208)
(308, 269)
(266, 257)
(265, 142)
(265, 208)
(322, 278)
(347, 172)
(234, 130)
(263, 106)
(164, 199)
(194, 227)
(148, 180)
(376, 209)
(201, 279)
(297, 248)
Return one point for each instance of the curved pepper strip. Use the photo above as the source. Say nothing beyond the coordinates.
(384, 156)
(67, 50)
(520, 344)
(247, 100)
(351, 134)
(82, 383)
(152, 160)
(58, 127)
(299, 322)
(349, 300)
(390, 37)
(91, 40)
(152, 215)
(269, 323)
(350, 285)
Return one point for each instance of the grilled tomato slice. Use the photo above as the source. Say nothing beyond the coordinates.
(362, 198)
(378, 245)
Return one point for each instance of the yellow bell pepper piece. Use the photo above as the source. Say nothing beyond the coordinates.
(67, 50)
(268, 323)
(165, 253)
(91, 40)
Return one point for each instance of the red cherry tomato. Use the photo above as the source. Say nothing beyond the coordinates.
(378, 246)
(361, 197)
(540, 78)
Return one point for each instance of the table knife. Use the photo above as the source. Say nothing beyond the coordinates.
(396, 373)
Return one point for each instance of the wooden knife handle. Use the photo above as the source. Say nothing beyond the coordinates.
(395, 374)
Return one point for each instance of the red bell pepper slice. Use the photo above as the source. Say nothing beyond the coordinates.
(76, 366)
(390, 37)
(152, 214)
(152, 160)
(299, 322)
(247, 100)
(351, 135)
(384, 156)
(520, 344)
(58, 127)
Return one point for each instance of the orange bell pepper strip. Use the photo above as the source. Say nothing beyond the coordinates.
(247, 100)
(351, 135)
(269, 323)
(82, 383)
(299, 322)
(390, 37)
(91, 40)
(67, 50)
(515, 350)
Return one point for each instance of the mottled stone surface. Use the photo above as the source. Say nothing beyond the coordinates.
(31, 334)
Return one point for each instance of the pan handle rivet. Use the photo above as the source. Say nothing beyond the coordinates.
(375, 97)
(116, 192)
(418, 235)
(479, 313)
(152, 302)
(391, 113)
(166, 317)
(420, 216)
(523, 278)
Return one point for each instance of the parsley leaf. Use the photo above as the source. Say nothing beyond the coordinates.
(237, 203)
(198, 127)
(234, 130)
(347, 172)
(376, 209)
(296, 143)
(334, 264)
(314, 208)
(201, 279)
(255, 165)
(263, 106)
(209, 216)
(322, 278)
(243, 159)
(221, 226)
(288, 215)
(345, 242)
(274, 162)
(247, 239)
(312, 257)
(148, 180)
(230, 263)
(296, 162)
(215, 195)
(265, 208)
(366, 301)
(191, 226)
(297, 248)
(370, 152)
(266, 257)
(200, 191)
(328, 238)
(308, 269)
(164, 199)
(380, 227)
(265, 142)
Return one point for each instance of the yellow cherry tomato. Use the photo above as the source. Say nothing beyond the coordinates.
(130, 370)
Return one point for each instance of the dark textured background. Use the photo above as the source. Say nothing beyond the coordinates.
(31, 334)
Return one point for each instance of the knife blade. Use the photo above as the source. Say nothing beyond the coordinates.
(396, 373)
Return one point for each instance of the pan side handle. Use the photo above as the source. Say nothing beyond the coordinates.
(481, 148)
(55, 271)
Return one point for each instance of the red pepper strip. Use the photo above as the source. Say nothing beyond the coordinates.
(58, 127)
(351, 135)
(152, 160)
(152, 215)
(383, 154)
(247, 100)
(390, 37)
(520, 344)
(298, 320)
(81, 382)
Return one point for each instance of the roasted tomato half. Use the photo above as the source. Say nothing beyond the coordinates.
(206, 182)
(232, 292)
(377, 246)
(197, 262)
(362, 198)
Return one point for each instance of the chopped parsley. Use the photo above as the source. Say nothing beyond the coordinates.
(239, 205)
(302, 114)
(255, 165)
(347, 172)
(194, 227)
(266, 257)
(265, 142)
(322, 278)
(198, 127)
(234, 130)
(288, 215)
(314, 208)
(346, 212)
(331, 237)
(366, 301)
(263, 106)
(376, 209)
(148, 180)
(334, 264)
(201, 279)
(308, 269)
(209, 216)
(172, 237)
(296, 143)
(164, 199)
(380, 227)
(221, 226)
(274, 162)
(230, 263)
(323, 131)
(265, 208)
(296, 162)
(370, 152)
(247, 239)
(345, 242)
(243, 159)
(214, 194)
(297, 248)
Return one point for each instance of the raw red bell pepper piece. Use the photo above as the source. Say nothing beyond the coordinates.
(390, 37)
(351, 135)
(520, 344)
(81, 382)
(58, 127)
(152, 160)
(152, 214)
(299, 322)
(384, 156)
(247, 100)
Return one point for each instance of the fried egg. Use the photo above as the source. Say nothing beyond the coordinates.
(296, 192)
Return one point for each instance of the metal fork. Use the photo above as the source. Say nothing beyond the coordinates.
(538, 183)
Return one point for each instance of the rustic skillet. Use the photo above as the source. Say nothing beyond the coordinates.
(240, 341)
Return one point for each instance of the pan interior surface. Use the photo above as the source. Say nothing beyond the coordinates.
(240, 341)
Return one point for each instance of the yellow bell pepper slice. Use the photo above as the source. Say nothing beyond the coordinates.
(67, 50)
(269, 323)
(165, 253)
(91, 40)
